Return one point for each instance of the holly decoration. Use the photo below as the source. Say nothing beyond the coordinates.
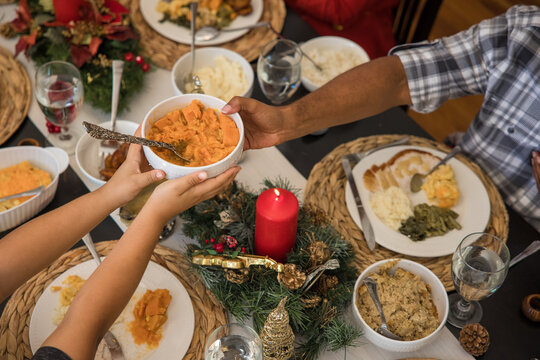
(53, 129)
(87, 33)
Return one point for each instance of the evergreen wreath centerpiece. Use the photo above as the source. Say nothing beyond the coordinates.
(317, 277)
(89, 34)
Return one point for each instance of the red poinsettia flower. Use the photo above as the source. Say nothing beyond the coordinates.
(23, 20)
(26, 42)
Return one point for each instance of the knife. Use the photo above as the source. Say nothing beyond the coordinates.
(366, 225)
(114, 346)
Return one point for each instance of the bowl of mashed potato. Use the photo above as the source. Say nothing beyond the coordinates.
(224, 74)
(414, 302)
(334, 54)
(212, 141)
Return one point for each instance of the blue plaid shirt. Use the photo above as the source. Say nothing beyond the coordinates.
(499, 58)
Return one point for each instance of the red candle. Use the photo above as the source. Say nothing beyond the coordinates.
(275, 223)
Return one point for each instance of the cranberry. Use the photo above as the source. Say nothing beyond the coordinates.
(220, 247)
(129, 56)
(145, 67)
(139, 59)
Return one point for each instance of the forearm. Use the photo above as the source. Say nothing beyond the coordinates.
(364, 91)
(34, 245)
(103, 297)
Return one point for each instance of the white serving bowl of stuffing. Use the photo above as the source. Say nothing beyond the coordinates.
(213, 142)
(412, 294)
(87, 150)
(223, 73)
(334, 55)
(40, 161)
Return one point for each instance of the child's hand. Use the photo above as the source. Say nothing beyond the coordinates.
(175, 196)
(130, 178)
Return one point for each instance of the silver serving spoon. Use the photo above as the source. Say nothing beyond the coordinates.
(192, 81)
(371, 286)
(98, 132)
(33, 191)
(208, 33)
(418, 179)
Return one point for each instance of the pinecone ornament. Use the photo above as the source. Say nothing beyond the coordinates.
(277, 336)
(318, 253)
(326, 283)
(474, 338)
(237, 276)
(291, 277)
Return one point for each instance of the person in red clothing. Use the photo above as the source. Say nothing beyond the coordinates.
(366, 22)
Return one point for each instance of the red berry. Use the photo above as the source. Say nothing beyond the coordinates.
(129, 56)
(243, 250)
(145, 67)
(219, 248)
(139, 59)
(206, 241)
(57, 129)
(212, 241)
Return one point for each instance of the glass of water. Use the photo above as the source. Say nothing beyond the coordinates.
(278, 70)
(60, 93)
(234, 342)
(479, 267)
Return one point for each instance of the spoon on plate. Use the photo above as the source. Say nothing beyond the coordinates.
(371, 286)
(97, 132)
(208, 33)
(417, 179)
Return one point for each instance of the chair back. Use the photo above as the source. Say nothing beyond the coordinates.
(414, 19)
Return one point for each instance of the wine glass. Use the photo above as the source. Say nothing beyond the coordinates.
(233, 342)
(278, 70)
(479, 267)
(59, 93)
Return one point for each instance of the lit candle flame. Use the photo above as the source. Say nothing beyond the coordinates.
(276, 191)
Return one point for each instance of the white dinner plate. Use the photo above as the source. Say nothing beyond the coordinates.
(473, 208)
(177, 330)
(183, 35)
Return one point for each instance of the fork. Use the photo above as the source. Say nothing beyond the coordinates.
(107, 147)
(360, 155)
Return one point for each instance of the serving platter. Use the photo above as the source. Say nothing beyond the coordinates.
(182, 34)
(177, 330)
(473, 207)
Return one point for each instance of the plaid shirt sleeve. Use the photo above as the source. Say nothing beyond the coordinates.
(454, 66)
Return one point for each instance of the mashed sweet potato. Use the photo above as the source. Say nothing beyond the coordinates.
(150, 314)
(18, 178)
(205, 135)
(441, 187)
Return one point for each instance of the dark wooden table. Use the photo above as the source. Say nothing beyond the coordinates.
(512, 335)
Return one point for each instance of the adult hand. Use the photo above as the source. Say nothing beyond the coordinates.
(175, 196)
(263, 124)
(130, 178)
(535, 162)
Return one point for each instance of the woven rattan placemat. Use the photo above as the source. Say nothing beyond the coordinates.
(164, 52)
(325, 190)
(15, 94)
(14, 341)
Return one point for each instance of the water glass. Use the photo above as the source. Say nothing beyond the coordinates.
(60, 93)
(278, 70)
(479, 267)
(233, 342)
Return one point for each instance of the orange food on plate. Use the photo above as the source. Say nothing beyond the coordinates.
(150, 314)
(19, 178)
(205, 135)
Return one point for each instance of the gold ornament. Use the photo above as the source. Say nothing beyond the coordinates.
(291, 277)
(277, 336)
(239, 276)
(474, 338)
(7, 31)
(238, 262)
(311, 301)
(318, 252)
(326, 283)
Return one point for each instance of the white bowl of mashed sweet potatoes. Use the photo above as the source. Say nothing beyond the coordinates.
(414, 302)
(211, 141)
(23, 168)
